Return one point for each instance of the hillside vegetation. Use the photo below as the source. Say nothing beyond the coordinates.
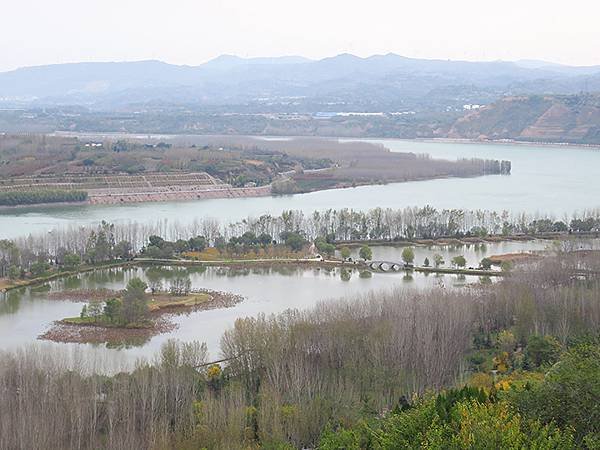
(541, 118)
(572, 119)
(42, 156)
(129, 170)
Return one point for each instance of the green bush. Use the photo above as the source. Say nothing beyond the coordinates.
(341, 439)
(541, 350)
(365, 253)
(569, 394)
(48, 196)
(457, 420)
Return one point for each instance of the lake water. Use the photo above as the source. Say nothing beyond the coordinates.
(29, 312)
(473, 253)
(548, 180)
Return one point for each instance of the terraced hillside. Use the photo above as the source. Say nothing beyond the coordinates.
(103, 189)
(108, 182)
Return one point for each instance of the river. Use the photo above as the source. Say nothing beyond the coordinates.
(545, 179)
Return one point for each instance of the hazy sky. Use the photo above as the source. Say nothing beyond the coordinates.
(35, 32)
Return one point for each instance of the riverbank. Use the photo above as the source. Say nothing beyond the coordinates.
(439, 241)
(9, 285)
(285, 259)
(368, 265)
(117, 198)
(502, 142)
(266, 137)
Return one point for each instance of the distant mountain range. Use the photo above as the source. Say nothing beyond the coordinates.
(293, 84)
(413, 98)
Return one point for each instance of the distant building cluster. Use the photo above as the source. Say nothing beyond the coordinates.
(332, 114)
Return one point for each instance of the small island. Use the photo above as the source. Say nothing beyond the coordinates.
(134, 315)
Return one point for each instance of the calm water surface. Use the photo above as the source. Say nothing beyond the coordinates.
(549, 180)
(473, 253)
(27, 313)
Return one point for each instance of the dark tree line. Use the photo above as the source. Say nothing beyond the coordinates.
(15, 198)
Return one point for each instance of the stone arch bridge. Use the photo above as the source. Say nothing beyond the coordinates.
(388, 266)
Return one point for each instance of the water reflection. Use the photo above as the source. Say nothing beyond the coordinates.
(28, 312)
(473, 252)
(10, 302)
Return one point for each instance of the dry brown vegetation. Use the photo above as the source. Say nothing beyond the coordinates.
(512, 257)
(36, 155)
(32, 154)
(99, 333)
(45, 406)
(180, 168)
(357, 162)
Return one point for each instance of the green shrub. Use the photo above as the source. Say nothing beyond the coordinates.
(541, 350)
(569, 394)
(42, 196)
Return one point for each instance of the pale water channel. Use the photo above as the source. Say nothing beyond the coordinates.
(27, 313)
(473, 253)
(548, 180)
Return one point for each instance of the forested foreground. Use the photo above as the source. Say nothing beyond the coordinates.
(514, 364)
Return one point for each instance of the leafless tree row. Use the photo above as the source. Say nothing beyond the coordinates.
(340, 225)
(46, 406)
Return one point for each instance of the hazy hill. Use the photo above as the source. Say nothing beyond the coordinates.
(344, 82)
(574, 118)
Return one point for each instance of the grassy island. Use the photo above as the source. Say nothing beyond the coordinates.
(133, 315)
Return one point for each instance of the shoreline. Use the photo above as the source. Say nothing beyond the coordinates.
(227, 263)
(504, 142)
(152, 197)
(191, 196)
(145, 135)
(167, 196)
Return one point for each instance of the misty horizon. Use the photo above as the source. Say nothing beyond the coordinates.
(525, 62)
